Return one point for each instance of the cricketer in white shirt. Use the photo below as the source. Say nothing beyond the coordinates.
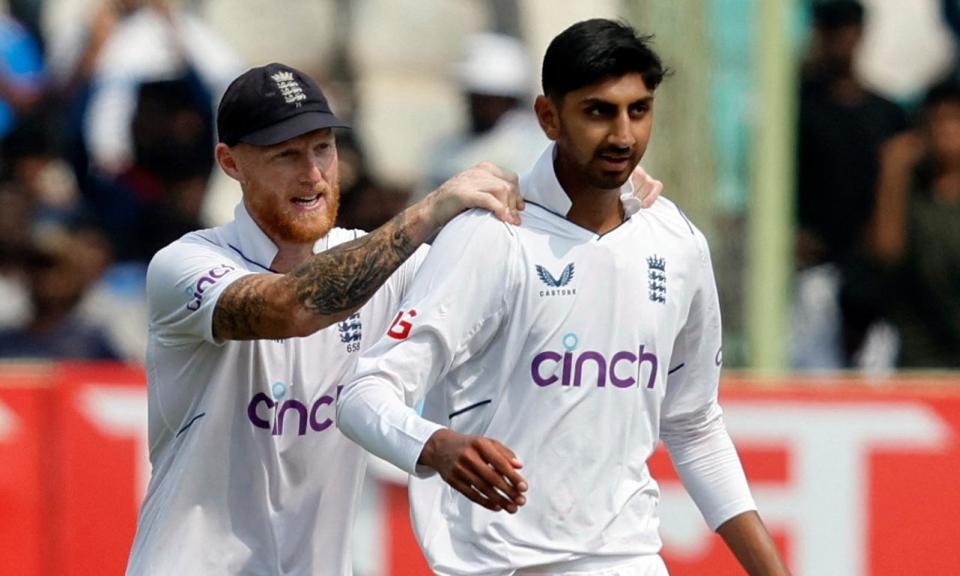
(247, 462)
(576, 350)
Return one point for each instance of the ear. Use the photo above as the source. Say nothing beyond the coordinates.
(227, 160)
(548, 114)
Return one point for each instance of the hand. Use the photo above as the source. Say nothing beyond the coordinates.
(646, 188)
(482, 469)
(483, 186)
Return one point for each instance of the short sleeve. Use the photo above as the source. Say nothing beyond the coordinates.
(184, 282)
(697, 357)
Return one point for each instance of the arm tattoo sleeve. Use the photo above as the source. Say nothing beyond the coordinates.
(346, 276)
(240, 311)
(330, 283)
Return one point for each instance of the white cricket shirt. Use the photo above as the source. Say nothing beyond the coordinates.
(250, 474)
(578, 351)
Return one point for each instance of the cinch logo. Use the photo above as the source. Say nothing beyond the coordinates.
(565, 277)
(623, 369)
(195, 292)
(271, 413)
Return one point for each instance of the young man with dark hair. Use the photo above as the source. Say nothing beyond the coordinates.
(579, 339)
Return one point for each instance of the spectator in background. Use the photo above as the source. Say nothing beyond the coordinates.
(950, 11)
(60, 267)
(366, 203)
(38, 193)
(494, 76)
(158, 197)
(15, 209)
(842, 126)
(155, 40)
(21, 72)
(76, 32)
(33, 165)
(915, 235)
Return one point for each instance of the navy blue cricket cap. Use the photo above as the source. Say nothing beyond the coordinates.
(270, 104)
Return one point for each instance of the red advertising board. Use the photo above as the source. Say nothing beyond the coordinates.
(73, 448)
(102, 414)
(25, 472)
(851, 478)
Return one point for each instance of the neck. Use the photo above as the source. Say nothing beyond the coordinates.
(290, 255)
(596, 209)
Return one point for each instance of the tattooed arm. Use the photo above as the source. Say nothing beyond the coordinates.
(330, 286)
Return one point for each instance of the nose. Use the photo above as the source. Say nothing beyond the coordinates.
(315, 172)
(621, 133)
(316, 169)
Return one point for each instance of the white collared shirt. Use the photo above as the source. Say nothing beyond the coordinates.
(576, 350)
(250, 474)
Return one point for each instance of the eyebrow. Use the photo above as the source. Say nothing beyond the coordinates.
(600, 101)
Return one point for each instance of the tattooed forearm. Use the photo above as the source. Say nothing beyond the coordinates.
(345, 277)
(240, 310)
(324, 289)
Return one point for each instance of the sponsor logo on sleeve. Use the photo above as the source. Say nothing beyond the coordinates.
(623, 369)
(196, 290)
(402, 325)
(557, 286)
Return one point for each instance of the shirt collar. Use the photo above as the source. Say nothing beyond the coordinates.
(251, 241)
(541, 186)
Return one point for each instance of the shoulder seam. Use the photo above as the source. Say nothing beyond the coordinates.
(685, 219)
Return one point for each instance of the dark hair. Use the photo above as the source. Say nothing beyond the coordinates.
(592, 50)
(836, 14)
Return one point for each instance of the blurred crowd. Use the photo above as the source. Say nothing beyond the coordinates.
(106, 131)
(878, 209)
(107, 114)
(106, 136)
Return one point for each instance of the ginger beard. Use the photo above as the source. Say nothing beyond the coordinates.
(286, 222)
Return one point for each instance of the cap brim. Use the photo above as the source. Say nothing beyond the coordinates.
(292, 127)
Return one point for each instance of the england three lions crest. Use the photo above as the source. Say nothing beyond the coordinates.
(351, 332)
(657, 279)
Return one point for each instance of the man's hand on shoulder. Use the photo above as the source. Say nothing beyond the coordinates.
(482, 469)
(646, 188)
(483, 186)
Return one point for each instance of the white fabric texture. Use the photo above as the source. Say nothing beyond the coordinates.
(577, 351)
(250, 476)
